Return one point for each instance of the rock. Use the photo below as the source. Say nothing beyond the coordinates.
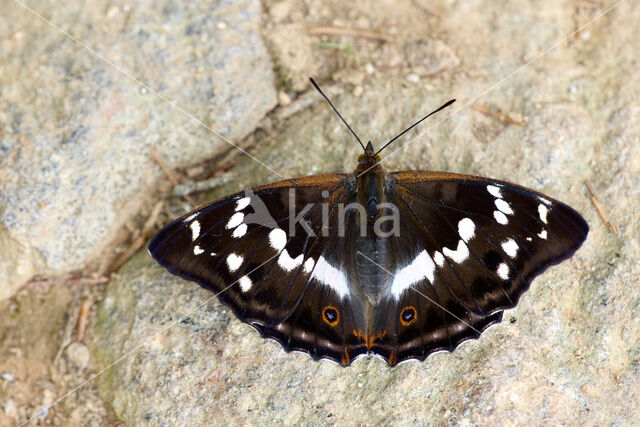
(78, 354)
(283, 98)
(413, 78)
(428, 57)
(74, 154)
(576, 325)
(292, 51)
(18, 262)
(10, 409)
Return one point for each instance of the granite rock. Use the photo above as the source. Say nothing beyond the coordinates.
(569, 353)
(76, 133)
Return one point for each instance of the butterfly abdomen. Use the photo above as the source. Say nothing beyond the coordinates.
(371, 279)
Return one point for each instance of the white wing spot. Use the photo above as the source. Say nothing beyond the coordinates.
(503, 271)
(545, 201)
(287, 263)
(495, 191)
(510, 247)
(500, 217)
(277, 239)
(420, 268)
(235, 220)
(329, 275)
(234, 262)
(503, 206)
(245, 283)
(190, 217)
(542, 211)
(213, 254)
(240, 231)
(197, 250)
(243, 203)
(438, 258)
(543, 234)
(466, 229)
(460, 254)
(308, 265)
(529, 239)
(195, 230)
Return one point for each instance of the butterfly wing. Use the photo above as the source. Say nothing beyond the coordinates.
(472, 247)
(467, 248)
(258, 252)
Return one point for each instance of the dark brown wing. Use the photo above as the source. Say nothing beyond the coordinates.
(477, 243)
(258, 255)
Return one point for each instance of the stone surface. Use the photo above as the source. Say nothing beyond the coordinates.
(35, 325)
(76, 134)
(78, 354)
(568, 354)
(428, 57)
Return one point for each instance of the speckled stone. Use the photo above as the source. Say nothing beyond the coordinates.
(567, 354)
(76, 134)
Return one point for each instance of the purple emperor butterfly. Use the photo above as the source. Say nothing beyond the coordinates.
(398, 265)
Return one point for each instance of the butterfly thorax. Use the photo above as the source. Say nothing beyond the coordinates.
(370, 183)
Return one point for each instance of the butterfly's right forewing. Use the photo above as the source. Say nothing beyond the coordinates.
(475, 244)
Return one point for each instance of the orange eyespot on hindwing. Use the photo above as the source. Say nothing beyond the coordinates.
(408, 315)
(330, 315)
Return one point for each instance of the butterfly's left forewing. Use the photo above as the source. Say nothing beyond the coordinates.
(258, 252)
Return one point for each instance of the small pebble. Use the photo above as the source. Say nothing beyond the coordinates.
(280, 11)
(369, 68)
(283, 98)
(78, 354)
(413, 78)
(10, 409)
(113, 11)
(357, 91)
(7, 376)
(221, 25)
(43, 411)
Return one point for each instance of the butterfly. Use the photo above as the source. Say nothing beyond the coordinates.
(398, 265)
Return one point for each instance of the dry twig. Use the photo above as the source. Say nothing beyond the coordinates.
(223, 167)
(603, 214)
(496, 114)
(83, 316)
(70, 281)
(335, 31)
(147, 230)
(170, 174)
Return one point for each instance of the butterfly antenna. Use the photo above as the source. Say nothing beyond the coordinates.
(334, 109)
(416, 124)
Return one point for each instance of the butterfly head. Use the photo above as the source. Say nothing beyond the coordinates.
(369, 157)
